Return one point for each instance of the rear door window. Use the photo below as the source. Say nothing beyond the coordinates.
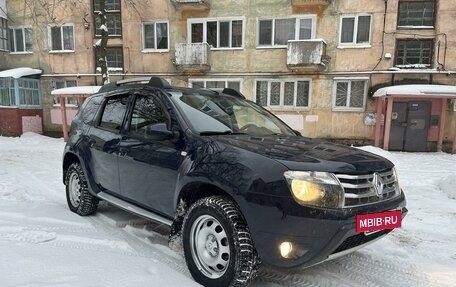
(114, 113)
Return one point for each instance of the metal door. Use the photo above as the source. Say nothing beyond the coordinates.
(398, 126)
(409, 126)
(418, 125)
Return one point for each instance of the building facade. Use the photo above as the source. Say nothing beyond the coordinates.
(314, 63)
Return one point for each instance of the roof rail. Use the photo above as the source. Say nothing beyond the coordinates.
(233, 92)
(156, 82)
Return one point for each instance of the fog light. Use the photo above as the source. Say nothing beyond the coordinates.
(285, 249)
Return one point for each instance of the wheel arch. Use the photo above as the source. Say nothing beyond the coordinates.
(68, 160)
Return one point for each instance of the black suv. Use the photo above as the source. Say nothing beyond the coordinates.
(231, 179)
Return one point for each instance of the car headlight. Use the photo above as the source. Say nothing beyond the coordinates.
(315, 188)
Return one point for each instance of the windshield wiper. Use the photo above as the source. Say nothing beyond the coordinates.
(216, 133)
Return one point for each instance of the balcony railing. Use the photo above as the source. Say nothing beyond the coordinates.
(204, 4)
(194, 56)
(306, 53)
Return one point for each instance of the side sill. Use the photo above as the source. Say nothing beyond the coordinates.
(135, 209)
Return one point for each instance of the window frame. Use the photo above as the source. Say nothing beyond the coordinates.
(281, 106)
(353, 44)
(204, 21)
(4, 29)
(102, 111)
(347, 107)
(63, 50)
(425, 66)
(107, 12)
(23, 28)
(312, 17)
(412, 26)
(205, 80)
(111, 69)
(143, 36)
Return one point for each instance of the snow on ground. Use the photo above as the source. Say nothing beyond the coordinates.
(42, 243)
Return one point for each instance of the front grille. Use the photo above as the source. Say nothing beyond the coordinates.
(358, 239)
(368, 188)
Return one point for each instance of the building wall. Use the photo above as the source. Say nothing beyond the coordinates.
(250, 63)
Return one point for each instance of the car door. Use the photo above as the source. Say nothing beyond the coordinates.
(150, 156)
(104, 139)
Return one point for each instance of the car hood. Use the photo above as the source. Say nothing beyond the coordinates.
(300, 153)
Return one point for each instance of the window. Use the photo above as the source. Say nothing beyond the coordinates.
(350, 94)
(355, 30)
(20, 40)
(416, 14)
(147, 112)
(3, 34)
(219, 33)
(61, 38)
(216, 84)
(114, 113)
(113, 17)
(155, 36)
(60, 84)
(283, 93)
(414, 53)
(20, 92)
(277, 32)
(114, 56)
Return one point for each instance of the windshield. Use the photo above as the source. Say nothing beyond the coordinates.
(209, 114)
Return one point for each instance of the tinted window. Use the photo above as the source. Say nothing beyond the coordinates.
(114, 113)
(146, 113)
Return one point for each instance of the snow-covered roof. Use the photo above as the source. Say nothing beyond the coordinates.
(81, 90)
(418, 90)
(19, 72)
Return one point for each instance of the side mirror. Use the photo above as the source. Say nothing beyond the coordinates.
(159, 132)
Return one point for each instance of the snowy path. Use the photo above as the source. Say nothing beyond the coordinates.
(43, 244)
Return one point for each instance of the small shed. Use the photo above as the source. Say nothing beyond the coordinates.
(79, 94)
(20, 101)
(413, 117)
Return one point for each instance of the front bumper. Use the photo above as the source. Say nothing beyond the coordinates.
(318, 234)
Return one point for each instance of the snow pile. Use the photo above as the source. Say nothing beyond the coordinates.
(448, 185)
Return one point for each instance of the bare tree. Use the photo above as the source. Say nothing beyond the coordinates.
(100, 46)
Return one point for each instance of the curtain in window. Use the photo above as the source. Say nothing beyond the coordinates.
(149, 36)
(305, 29)
(68, 38)
(284, 31)
(275, 94)
(288, 94)
(262, 93)
(302, 96)
(236, 31)
(363, 29)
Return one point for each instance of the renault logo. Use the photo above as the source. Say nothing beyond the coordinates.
(378, 184)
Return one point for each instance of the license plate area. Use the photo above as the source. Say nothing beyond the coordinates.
(374, 222)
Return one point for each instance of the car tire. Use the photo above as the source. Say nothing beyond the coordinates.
(78, 196)
(217, 244)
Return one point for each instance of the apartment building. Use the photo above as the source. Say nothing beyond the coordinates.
(314, 63)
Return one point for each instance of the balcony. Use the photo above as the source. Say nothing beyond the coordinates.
(307, 54)
(192, 4)
(192, 57)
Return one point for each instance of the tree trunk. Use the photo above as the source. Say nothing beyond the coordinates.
(101, 45)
